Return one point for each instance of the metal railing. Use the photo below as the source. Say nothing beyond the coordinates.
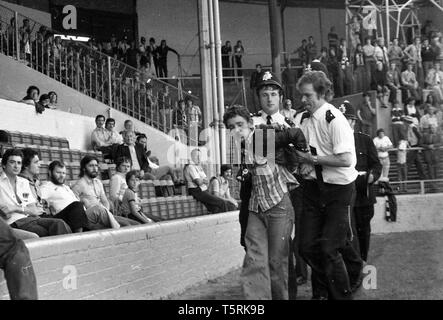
(418, 186)
(96, 74)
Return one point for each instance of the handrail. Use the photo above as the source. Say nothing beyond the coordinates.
(94, 73)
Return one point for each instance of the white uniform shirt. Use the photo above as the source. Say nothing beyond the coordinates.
(10, 201)
(331, 138)
(58, 197)
(276, 118)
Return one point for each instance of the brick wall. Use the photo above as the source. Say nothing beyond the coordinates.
(144, 262)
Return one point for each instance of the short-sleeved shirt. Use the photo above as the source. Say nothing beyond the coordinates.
(192, 172)
(99, 137)
(89, 191)
(58, 197)
(219, 186)
(384, 142)
(128, 197)
(331, 138)
(9, 200)
(118, 186)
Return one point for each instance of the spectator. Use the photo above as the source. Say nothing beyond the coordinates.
(111, 136)
(428, 56)
(409, 82)
(395, 54)
(438, 47)
(381, 53)
(413, 52)
(255, 78)
(398, 127)
(61, 200)
(379, 83)
(393, 82)
(132, 55)
(129, 127)
(30, 171)
(118, 182)
(414, 141)
(142, 50)
(180, 116)
(361, 83)
(98, 136)
(347, 76)
(153, 53)
(89, 189)
(139, 159)
(219, 186)
(52, 100)
(303, 52)
(42, 104)
(324, 56)
(410, 109)
(355, 32)
(430, 142)
(162, 51)
(434, 80)
(429, 119)
(343, 50)
(287, 110)
(130, 207)
(197, 183)
(226, 52)
(311, 49)
(193, 112)
(333, 38)
(366, 114)
(333, 69)
(383, 144)
(289, 77)
(18, 203)
(32, 95)
(370, 62)
(239, 51)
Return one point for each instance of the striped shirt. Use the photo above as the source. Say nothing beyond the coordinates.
(269, 180)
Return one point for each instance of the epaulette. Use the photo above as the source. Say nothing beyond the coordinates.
(305, 115)
(329, 116)
(289, 122)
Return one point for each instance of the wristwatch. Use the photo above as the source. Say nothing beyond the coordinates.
(315, 159)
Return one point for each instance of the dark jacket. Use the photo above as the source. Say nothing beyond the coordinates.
(367, 160)
(122, 150)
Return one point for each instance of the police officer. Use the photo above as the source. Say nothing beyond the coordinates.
(369, 170)
(16, 264)
(329, 172)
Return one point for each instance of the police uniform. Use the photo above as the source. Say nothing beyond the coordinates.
(367, 163)
(325, 224)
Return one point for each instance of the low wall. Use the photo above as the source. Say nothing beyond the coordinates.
(414, 213)
(153, 261)
(143, 262)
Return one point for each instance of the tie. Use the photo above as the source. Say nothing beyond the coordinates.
(268, 118)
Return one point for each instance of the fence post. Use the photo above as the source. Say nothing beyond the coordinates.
(109, 82)
(245, 101)
(422, 187)
(17, 39)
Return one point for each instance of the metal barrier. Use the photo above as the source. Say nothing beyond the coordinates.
(94, 73)
(418, 186)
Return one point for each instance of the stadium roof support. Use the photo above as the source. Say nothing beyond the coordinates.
(402, 14)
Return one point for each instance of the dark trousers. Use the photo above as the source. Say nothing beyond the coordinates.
(243, 219)
(413, 158)
(162, 69)
(74, 215)
(42, 226)
(363, 216)
(431, 163)
(17, 266)
(212, 203)
(325, 226)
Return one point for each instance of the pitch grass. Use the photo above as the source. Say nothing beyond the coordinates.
(409, 265)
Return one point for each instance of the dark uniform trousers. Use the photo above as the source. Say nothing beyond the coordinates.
(17, 265)
(325, 227)
(363, 216)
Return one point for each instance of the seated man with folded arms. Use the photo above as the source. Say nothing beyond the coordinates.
(136, 152)
(98, 135)
(219, 186)
(117, 184)
(62, 202)
(19, 205)
(89, 189)
(197, 183)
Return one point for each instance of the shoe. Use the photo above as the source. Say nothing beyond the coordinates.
(300, 281)
(357, 284)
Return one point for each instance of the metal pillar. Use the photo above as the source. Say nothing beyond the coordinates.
(220, 89)
(205, 61)
(275, 28)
